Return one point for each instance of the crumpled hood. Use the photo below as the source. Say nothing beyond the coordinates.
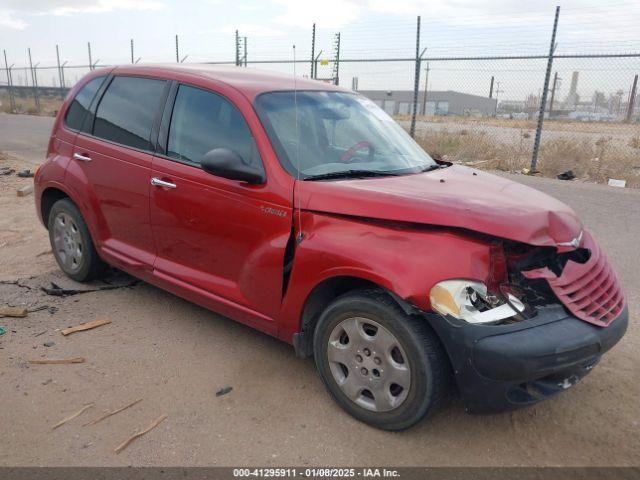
(455, 197)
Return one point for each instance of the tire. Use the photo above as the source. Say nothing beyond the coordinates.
(386, 343)
(71, 242)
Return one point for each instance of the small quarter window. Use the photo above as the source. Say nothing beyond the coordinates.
(79, 107)
(202, 121)
(127, 110)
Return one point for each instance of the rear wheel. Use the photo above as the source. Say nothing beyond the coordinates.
(71, 242)
(384, 367)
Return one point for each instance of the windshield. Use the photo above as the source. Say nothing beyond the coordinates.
(337, 132)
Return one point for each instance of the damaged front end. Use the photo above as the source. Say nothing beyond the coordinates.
(536, 326)
(524, 278)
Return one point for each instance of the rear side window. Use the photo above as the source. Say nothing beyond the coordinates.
(202, 121)
(127, 111)
(79, 107)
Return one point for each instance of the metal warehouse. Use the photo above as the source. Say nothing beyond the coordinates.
(398, 102)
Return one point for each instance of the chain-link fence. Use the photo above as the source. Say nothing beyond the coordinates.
(483, 106)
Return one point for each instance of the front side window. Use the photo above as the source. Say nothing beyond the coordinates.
(319, 133)
(202, 121)
(79, 107)
(127, 110)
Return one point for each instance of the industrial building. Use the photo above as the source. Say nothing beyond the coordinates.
(399, 102)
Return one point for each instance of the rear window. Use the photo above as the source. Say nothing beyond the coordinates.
(79, 107)
(127, 110)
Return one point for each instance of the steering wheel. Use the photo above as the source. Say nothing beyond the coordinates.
(348, 155)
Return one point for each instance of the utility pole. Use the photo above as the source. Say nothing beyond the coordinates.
(553, 93)
(12, 101)
(543, 102)
(90, 60)
(426, 84)
(498, 92)
(61, 83)
(132, 51)
(632, 99)
(177, 51)
(313, 48)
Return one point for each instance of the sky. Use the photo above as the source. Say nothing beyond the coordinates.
(369, 29)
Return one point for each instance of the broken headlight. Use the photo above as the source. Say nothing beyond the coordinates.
(470, 301)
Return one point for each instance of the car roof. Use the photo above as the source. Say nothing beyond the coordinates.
(252, 82)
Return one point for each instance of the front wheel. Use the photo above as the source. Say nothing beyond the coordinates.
(384, 367)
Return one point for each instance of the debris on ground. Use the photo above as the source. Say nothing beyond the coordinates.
(17, 312)
(6, 171)
(58, 291)
(46, 252)
(41, 333)
(568, 175)
(84, 326)
(113, 412)
(126, 443)
(49, 344)
(617, 183)
(72, 416)
(2, 331)
(25, 174)
(57, 361)
(223, 391)
(24, 191)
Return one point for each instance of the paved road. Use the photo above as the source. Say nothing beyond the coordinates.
(176, 355)
(25, 136)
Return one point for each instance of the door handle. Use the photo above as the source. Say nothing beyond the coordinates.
(156, 182)
(83, 158)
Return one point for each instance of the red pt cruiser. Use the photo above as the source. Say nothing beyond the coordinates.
(303, 210)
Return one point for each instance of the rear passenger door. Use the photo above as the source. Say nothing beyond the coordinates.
(220, 236)
(114, 155)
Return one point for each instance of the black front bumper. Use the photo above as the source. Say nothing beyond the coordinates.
(504, 367)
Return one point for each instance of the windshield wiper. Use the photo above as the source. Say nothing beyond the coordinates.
(349, 174)
(435, 166)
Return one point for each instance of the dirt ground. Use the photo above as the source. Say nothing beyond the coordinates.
(176, 356)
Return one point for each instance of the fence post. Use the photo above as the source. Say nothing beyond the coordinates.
(245, 50)
(491, 87)
(132, 51)
(90, 61)
(237, 49)
(336, 76)
(34, 80)
(632, 99)
(315, 65)
(177, 51)
(313, 48)
(12, 101)
(545, 90)
(416, 85)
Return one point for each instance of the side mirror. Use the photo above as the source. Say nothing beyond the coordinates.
(226, 163)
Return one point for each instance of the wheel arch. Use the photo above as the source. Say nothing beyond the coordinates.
(321, 296)
(49, 197)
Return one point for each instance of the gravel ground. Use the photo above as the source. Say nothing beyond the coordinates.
(176, 356)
